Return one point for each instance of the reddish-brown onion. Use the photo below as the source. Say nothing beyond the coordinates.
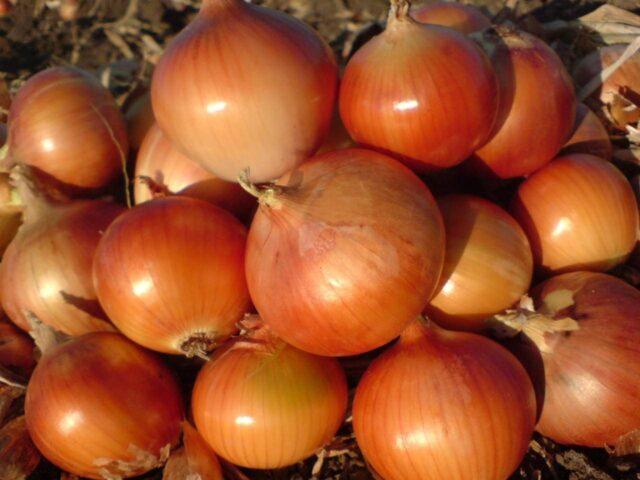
(338, 136)
(100, 406)
(16, 348)
(268, 109)
(579, 213)
(423, 92)
(140, 119)
(261, 403)
(67, 126)
(171, 170)
(443, 405)
(10, 212)
(344, 253)
(537, 105)
(170, 275)
(47, 269)
(463, 18)
(6, 8)
(488, 263)
(589, 135)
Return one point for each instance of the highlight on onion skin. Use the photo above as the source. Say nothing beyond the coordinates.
(442, 404)
(290, 70)
(67, 127)
(101, 405)
(170, 275)
(352, 227)
(261, 403)
(10, 212)
(140, 119)
(430, 124)
(537, 106)
(488, 263)
(589, 135)
(463, 18)
(579, 213)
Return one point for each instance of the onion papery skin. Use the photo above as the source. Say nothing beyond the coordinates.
(431, 91)
(463, 18)
(67, 127)
(488, 263)
(357, 244)
(537, 106)
(579, 213)
(100, 399)
(140, 119)
(589, 135)
(16, 348)
(444, 405)
(268, 110)
(265, 404)
(589, 379)
(160, 161)
(170, 275)
(47, 269)
(10, 212)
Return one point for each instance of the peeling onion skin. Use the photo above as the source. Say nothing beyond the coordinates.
(589, 135)
(463, 18)
(265, 404)
(195, 461)
(579, 213)
(431, 91)
(90, 399)
(488, 263)
(537, 106)
(66, 125)
(590, 378)
(279, 77)
(171, 269)
(357, 229)
(443, 405)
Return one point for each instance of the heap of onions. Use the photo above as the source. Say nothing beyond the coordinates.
(261, 403)
(170, 275)
(589, 135)
(267, 110)
(463, 18)
(403, 78)
(100, 406)
(442, 404)
(344, 252)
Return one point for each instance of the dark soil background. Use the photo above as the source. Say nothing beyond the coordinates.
(121, 40)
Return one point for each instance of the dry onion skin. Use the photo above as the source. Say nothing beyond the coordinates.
(589, 135)
(10, 212)
(261, 403)
(268, 110)
(431, 91)
(579, 213)
(443, 405)
(488, 263)
(18, 455)
(170, 275)
(195, 460)
(101, 406)
(463, 18)
(344, 252)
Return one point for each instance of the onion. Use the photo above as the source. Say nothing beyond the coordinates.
(261, 403)
(47, 268)
(488, 263)
(10, 212)
(16, 348)
(172, 171)
(589, 135)
(67, 127)
(268, 109)
(338, 137)
(140, 119)
(344, 252)
(442, 405)
(6, 7)
(582, 348)
(194, 461)
(18, 455)
(431, 91)
(463, 18)
(100, 406)
(537, 105)
(579, 213)
(170, 275)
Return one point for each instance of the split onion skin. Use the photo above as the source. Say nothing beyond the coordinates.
(67, 127)
(357, 243)
(579, 213)
(140, 119)
(537, 106)
(99, 400)
(440, 405)
(589, 135)
(488, 263)
(431, 91)
(265, 404)
(172, 270)
(280, 77)
(463, 18)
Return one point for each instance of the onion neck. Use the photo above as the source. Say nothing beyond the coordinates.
(268, 194)
(36, 203)
(399, 12)
(257, 335)
(418, 329)
(44, 336)
(214, 6)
